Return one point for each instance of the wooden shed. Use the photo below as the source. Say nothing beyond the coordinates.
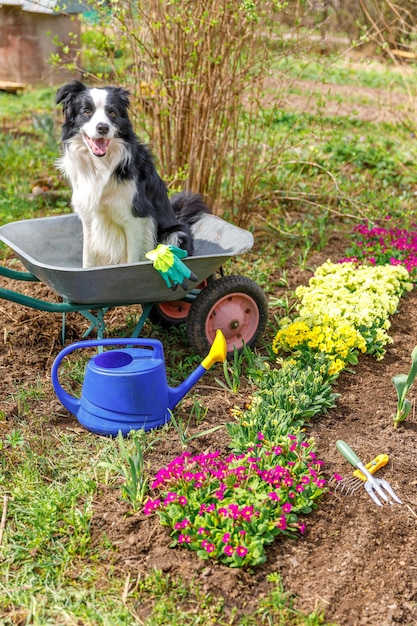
(29, 31)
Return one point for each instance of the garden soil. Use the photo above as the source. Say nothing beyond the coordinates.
(356, 561)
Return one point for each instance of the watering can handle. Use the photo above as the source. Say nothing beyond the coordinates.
(71, 402)
(91, 343)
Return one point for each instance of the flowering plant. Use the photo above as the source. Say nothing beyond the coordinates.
(344, 310)
(337, 339)
(379, 245)
(230, 508)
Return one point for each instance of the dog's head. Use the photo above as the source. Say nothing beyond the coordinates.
(98, 114)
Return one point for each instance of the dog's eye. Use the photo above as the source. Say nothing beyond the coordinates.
(87, 111)
(113, 114)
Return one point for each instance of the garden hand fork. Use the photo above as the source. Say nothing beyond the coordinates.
(374, 486)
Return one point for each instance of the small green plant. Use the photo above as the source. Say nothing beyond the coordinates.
(304, 254)
(402, 383)
(199, 411)
(233, 372)
(24, 395)
(284, 302)
(182, 427)
(15, 439)
(132, 469)
(257, 365)
(285, 399)
(277, 607)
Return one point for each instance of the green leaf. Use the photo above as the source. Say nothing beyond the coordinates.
(352, 359)
(402, 412)
(205, 432)
(413, 372)
(400, 382)
(406, 408)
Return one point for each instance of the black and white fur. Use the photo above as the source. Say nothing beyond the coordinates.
(116, 191)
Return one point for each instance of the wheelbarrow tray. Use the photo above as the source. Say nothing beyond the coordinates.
(50, 248)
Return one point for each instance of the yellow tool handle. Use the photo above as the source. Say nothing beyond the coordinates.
(372, 467)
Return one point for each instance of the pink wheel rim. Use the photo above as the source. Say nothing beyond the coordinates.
(237, 316)
(175, 310)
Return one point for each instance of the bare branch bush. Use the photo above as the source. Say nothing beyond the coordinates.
(390, 24)
(197, 76)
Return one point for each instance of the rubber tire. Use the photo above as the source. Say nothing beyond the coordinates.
(236, 305)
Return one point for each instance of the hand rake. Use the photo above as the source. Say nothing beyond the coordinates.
(374, 486)
(350, 484)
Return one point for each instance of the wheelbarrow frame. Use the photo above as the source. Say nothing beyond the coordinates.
(86, 310)
(91, 292)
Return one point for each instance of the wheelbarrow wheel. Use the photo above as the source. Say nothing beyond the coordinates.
(175, 312)
(168, 314)
(236, 305)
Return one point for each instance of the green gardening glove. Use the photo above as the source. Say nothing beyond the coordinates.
(167, 261)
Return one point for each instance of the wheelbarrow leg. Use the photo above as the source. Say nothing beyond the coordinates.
(64, 319)
(146, 309)
(97, 322)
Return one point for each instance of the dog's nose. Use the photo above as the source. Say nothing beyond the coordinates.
(102, 129)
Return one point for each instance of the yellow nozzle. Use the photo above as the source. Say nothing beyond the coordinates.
(218, 351)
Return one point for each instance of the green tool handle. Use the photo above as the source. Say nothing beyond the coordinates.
(348, 453)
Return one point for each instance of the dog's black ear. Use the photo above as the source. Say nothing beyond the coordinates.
(68, 91)
(123, 95)
(66, 95)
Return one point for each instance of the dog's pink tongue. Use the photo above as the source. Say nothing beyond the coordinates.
(98, 146)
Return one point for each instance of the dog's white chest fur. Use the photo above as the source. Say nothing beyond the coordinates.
(112, 234)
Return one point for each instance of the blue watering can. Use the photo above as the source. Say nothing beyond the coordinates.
(127, 389)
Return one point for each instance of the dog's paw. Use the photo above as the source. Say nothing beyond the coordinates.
(180, 239)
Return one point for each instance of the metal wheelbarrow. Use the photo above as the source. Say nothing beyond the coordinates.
(50, 249)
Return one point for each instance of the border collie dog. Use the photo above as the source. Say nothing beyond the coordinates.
(122, 202)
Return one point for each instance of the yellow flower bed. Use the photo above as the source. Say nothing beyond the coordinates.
(344, 310)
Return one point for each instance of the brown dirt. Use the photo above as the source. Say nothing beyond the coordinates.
(357, 561)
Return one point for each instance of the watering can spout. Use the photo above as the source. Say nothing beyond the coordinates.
(218, 351)
(217, 354)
